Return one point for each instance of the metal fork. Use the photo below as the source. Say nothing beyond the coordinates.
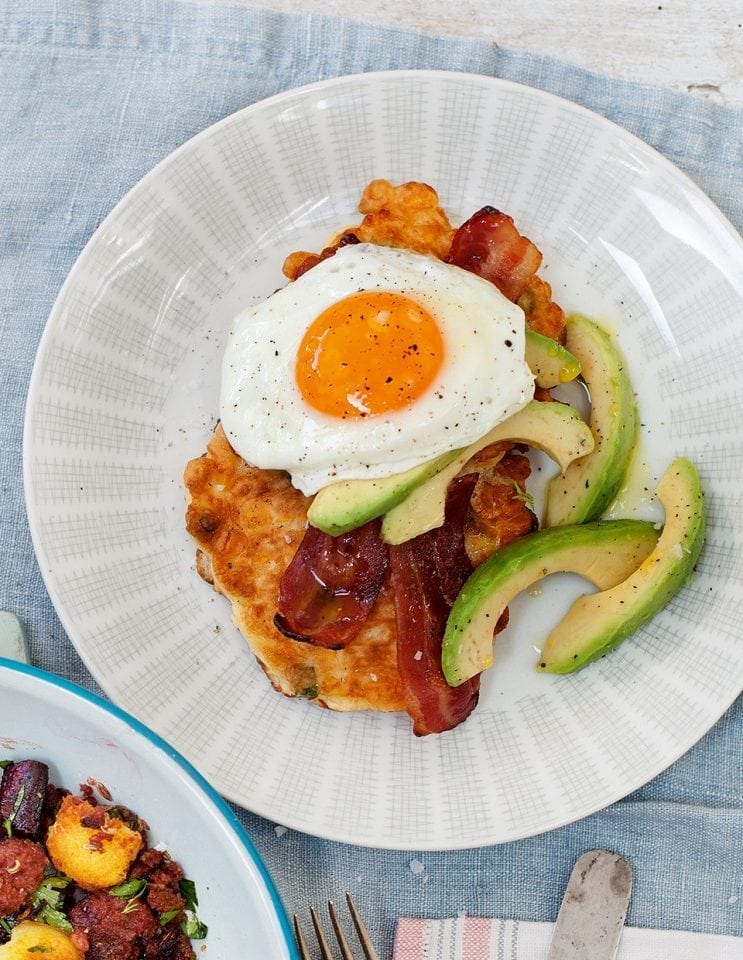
(366, 945)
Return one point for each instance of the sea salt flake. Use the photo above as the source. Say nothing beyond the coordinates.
(280, 831)
(418, 654)
(416, 867)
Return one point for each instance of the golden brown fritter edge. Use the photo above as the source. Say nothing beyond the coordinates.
(248, 524)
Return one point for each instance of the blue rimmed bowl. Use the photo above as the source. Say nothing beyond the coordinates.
(79, 735)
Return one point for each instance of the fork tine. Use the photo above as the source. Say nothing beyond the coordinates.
(347, 954)
(369, 952)
(304, 953)
(324, 948)
(339, 934)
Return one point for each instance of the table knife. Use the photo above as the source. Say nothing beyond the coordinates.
(594, 908)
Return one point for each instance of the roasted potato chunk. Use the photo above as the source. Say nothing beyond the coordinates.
(91, 847)
(30, 939)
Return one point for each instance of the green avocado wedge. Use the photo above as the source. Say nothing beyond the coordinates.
(555, 428)
(588, 486)
(598, 622)
(549, 361)
(348, 504)
(604, 552)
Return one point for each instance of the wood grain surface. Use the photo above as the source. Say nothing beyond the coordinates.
(691, 45)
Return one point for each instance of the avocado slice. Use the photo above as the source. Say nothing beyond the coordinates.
(588, 486)
(605, 552)
(596, 623)
(549, 361)
(553, 427)
(348, 504)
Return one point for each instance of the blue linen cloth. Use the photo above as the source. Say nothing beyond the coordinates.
(93, 93)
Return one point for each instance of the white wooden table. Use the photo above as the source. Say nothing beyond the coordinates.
(689, 45)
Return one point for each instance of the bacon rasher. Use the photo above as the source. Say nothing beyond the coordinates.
(331, 584)
(427, 573)
(489, 245)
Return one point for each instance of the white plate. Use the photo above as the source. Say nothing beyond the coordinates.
(80, 736)
(125, 391)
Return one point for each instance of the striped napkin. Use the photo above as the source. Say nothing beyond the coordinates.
(478, 938)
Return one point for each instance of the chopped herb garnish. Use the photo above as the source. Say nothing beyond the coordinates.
(194, 928)
(521, 494)
(5, 763)
(191, 926)
(167, 915)
(54, 918)
(48, 899)
(49, 893)
(18, 801)
(57, 882)
(8, 821)
(188, 892)
(127, 817)
(38, 948)
(129, 889)
(6, 924)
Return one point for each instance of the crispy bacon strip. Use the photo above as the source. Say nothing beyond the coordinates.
(489, 245)
(427, 574)
(330, 586)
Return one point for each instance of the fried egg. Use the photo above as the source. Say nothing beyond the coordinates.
(372, 362)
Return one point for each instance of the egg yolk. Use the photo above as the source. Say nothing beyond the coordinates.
(370, 353)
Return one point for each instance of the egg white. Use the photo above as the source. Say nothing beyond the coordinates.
(483, 378)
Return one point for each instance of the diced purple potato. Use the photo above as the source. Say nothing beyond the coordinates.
(22, 792)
